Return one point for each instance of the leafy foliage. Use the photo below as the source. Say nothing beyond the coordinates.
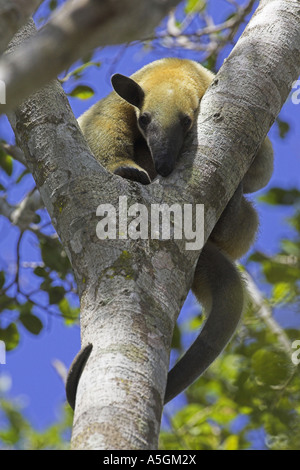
(18, 434)
(83, 92)
(21, 308)
(254, 386)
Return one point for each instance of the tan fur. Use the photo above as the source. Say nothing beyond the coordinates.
(171, 86)
(110, 129)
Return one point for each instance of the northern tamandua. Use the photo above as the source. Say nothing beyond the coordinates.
(156, 107)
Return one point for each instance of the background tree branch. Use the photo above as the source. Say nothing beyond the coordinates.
(13, 14)
(177, 35)
(14, 151)
(73, 31)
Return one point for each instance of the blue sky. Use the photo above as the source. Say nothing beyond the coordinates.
(29, 366)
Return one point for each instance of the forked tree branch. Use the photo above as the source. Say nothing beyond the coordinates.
(73, 31)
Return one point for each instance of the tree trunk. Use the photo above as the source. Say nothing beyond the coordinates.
(131, 291)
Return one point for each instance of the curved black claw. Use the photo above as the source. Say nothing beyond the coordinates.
(75, 372)
(133, 174)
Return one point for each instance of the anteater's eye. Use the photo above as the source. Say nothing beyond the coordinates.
(144, 120)
(186, 122)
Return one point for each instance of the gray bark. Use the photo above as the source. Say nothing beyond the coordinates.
(131, 291)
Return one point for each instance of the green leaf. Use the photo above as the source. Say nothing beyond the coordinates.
(70, 314)
(176, 343)
(25, 309)
(277, 272)
(2, 279)
(193, 6)
(7, 302)
(6, 162)
(258, 257)
(52, 4)
(82, 92)
(283, 127)
(230, 366)
(286, 197)
(291, 248)
(271, 367)
(46, 284)
(10, 336)
(56, 294)
(231, 443)
(196, 322)
(282, 292)
(32, 323)
(41, 272)
(55, 257)
(295, 221)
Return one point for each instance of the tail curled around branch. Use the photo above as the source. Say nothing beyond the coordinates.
(218, 286)
(75, 372)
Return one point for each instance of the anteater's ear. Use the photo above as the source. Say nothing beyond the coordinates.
(128, 89)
